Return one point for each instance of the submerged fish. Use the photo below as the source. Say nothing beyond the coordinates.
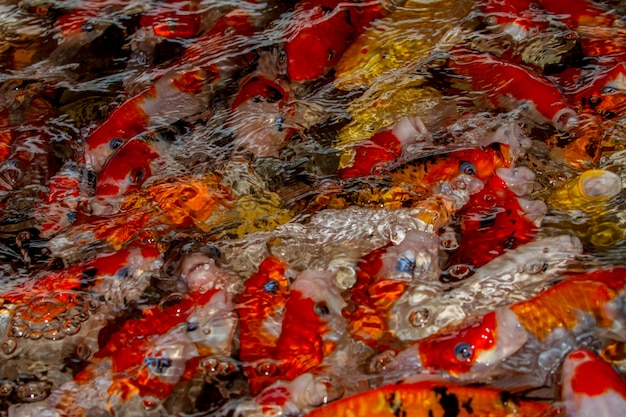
(560, 314)
(591, 387)
(433, 398)
(516, 275)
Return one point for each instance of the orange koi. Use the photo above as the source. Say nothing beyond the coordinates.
(321, 32)
(261, 308)
(160, 104)
(591, 387)
(433, 398)
(382, 277)
(506, 85)
(481, 343)
(93, 273)
(174, 19)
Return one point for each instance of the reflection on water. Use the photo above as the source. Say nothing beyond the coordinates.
(262, 207)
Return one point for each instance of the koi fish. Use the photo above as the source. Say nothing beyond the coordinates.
(129, 167)
(506, 85)
(433, 398)
(573, 306)
(379, 56)
(591, 387)
(604, 93)
(177, 94)
(314, 300)
(173, 19)
(382, 277)
(495, 219)
(514, 18)
(589, 192)
(141, 364)
(261, 309)
(515, 275)
(261, 116)
(320, 32)
(384, 147)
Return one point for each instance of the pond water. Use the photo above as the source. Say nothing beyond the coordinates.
(243, 208)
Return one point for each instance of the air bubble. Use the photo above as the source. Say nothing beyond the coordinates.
(176, 304)
(267, 369)
(419, 318)
(70, 327)
(9, 346)
(33, 391)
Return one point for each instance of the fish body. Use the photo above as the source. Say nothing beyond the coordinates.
(591, 387)
(322, 31)
(382, 276)
(492, 222)
(605, 92)
(573, 306)
(579, 13)
(515, 275)
(506, 85)
(433, 398)
(385, 147)
(174, 19)
(175, 95)
(381, 56)
(139, 366)
(515, 18)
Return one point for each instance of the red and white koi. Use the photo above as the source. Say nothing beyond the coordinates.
(142, 363)
(494, 220)
(386, 146)
(517, 274)
(174, 96)
(568, 309)
(382, 277)
(591, 387)
(507, 86)
(129, 167)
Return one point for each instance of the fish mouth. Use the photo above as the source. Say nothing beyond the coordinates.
(565, 119)
(510, 337)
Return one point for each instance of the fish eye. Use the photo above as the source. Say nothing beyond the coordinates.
(468, 168)
(158, 364)
(405, 264)
(271, 286)
(609, 90)
(192, 327)
(87, 27)
(331, 54)
(536, 267)
(136, 176)
(463, 352)
(115, 143)
(321, 309)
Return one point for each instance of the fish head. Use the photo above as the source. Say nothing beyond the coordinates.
(591, 386)
(474, 347)
(128, 168)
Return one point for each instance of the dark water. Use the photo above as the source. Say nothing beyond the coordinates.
(157, 157)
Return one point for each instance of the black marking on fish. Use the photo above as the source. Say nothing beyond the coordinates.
(449, 402)
(467, 405)
(395, 403)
